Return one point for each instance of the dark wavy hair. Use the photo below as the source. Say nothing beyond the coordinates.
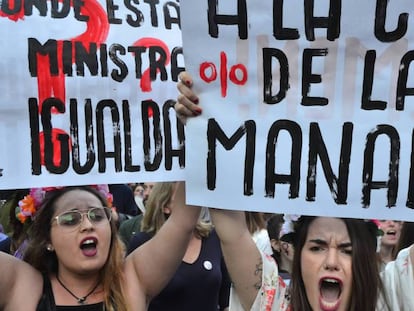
(367, 286)
(46, 262)
(406, 237)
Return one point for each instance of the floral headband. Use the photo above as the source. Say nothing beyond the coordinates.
(31, 203)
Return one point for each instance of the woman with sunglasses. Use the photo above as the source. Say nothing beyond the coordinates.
(75, 260)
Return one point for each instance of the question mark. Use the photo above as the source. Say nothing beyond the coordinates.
(96, 31)
(54, 86)
(145, 82)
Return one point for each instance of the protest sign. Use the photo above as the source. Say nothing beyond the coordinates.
(87, 92)
(307, 106)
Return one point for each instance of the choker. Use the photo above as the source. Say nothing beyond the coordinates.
(81, 300)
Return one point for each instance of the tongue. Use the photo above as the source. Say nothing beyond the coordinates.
(89, 251)
(330, 291)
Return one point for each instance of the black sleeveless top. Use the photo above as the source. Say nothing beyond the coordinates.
(47, 301)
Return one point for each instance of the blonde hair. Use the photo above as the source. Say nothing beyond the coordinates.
(154, 216)
(112, 274)
(255, 221)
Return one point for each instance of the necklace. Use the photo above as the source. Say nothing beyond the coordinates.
(81, 300)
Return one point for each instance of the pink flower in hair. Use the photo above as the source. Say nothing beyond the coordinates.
(38, 195)
(104, 190)
(376, 221)
(30, 204)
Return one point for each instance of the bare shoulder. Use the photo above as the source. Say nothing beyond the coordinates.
(20, 286)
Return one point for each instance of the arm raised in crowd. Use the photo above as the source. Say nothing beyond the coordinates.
(242, 257)
(152, 265)
(187, 101)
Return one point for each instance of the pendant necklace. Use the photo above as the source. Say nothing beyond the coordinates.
(81, 300)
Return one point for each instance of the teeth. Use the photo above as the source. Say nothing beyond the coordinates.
(331, 280)
(89, 242)
(329, 305)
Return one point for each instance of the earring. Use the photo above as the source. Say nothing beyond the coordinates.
(50, 248)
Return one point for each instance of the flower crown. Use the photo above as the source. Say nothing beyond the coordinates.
(28, 207)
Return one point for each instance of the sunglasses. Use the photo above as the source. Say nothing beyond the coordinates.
(96, 215)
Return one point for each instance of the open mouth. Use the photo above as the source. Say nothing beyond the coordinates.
(391, 232)
(330, 292)
(88, 246)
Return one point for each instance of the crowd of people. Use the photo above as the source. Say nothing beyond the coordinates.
(141, 247)
(171, 258)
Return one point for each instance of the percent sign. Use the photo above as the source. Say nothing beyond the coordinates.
(208, 73)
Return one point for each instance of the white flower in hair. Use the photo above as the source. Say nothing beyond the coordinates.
(287, 226)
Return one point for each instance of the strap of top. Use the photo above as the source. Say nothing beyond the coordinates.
(47, 302)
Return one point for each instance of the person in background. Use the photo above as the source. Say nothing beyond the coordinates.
(201, 282)
(75, 260)
(398, 273)
(391, 230)
(406, 236)
(280, 230)
(148, 186)
(131, 226)
(274, 226)
(138, 191)
(256, 224)
(124, 201)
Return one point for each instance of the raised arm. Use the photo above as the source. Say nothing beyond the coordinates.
(187, 101)
(20, 285)
(242, 257)
(152, 265)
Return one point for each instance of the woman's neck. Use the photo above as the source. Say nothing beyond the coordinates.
(72, 288)
(193, 249)
(386, 253)
(78, 279)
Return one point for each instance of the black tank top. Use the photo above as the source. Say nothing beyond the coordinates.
(47, 301)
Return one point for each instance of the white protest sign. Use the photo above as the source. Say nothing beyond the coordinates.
(307, 106)
(87, 89)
